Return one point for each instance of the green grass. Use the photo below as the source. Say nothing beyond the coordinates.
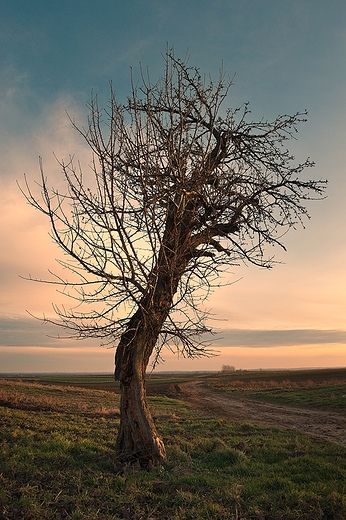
(74, 380)
(310, 389)
(59, 463)
(324, 397)
(105, 381)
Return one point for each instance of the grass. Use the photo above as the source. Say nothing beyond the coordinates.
(324, 397)
(107, 382)
(36, 396)
(58, 462)
(313, 389)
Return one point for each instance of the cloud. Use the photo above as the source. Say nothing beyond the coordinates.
(26, 332)
(279, 338)
(24, 231)
(29, 332)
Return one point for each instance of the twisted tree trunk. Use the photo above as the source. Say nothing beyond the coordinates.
(138, 439)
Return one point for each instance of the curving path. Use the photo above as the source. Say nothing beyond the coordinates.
(330, 426)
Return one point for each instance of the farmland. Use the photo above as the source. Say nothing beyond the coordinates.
(236, 448)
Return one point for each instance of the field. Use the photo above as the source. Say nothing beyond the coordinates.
(242, 446)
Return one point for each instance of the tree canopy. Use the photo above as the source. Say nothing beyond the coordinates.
(181, 188)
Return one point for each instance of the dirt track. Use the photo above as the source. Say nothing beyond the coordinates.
(326, 425)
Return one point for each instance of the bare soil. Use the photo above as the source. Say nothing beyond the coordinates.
(327, 425)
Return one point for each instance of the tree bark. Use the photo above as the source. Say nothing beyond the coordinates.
(137, 439)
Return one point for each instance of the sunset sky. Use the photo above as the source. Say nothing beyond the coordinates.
(286, 56)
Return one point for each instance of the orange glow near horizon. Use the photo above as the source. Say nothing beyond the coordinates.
(98, 359)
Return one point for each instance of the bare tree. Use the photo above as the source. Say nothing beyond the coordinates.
(181, 189)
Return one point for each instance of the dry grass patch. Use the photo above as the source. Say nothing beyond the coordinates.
(56, 398)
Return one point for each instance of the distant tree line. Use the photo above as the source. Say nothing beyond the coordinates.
(228, 368)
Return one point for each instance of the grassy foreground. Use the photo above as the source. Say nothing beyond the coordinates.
(57, 461)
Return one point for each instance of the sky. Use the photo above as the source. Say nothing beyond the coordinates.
(285, 56)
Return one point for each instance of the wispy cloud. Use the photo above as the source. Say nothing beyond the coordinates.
(279, 338)
(15, 332)
(30, 332)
